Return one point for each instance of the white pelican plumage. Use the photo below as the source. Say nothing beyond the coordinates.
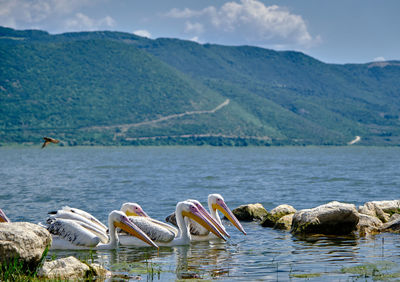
(135, 210)
(86, 215)
(3, 217)
(215, 202)
(163, 236)
(75, 234)
(83, 218)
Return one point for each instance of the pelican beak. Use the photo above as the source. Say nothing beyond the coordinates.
(139, 213)
(132, 229)
(201, 219)
(213, 221)
(3, 217)
(222, 207)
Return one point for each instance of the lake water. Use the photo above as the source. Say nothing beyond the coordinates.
(100, 179)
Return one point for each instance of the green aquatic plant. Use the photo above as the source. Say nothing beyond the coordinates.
(305, 275)
(381, 270)
(151, 269)
(17, 270)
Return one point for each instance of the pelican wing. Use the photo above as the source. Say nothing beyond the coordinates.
(78, 217)
(72, 232)
(195, 228)
(156, 231)
(85, 215)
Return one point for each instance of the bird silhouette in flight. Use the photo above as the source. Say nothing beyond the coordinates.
(48, 140)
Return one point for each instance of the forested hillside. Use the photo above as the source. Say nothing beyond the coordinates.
(112, 88)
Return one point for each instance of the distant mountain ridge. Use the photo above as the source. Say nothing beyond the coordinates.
(85, 88)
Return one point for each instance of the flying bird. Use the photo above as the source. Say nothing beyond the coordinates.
(48, 140)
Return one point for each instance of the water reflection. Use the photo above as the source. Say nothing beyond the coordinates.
(208, 259)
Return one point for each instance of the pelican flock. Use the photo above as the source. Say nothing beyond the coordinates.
(76, 234)
(215, 203)
(169, 236)
(72, 228)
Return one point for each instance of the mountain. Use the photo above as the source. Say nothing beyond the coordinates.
(113, 88)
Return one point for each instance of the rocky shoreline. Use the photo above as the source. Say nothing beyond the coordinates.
(23, 249)
(333, 218)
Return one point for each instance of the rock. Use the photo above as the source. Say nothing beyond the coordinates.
(333, 218)
(24, 241)
(250, 212)
(283, 210)
(394, 216)
(368, 224)
(271, 218)
(380, 209)
(70, 268)
(285, 222)
(100, 271)
(388, 206)
(391, 226)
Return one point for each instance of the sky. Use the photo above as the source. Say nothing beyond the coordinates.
(333, 31)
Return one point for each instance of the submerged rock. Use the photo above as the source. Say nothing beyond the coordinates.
(70, 268)
(271, 218)
(250, 212)
(23, 241)
(333, 218)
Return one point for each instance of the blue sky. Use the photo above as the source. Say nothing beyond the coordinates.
(334, 31)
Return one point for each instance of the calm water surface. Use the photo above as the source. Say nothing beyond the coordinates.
(98, 180)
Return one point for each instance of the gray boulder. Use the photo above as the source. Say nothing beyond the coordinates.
(285, 222)
(23, 241)
(333, 218)
(368, 224)
(271, 218)
(250, 212)
(71, 268)
(392, 225)
(380, 209)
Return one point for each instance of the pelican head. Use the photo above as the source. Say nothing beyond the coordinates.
(188, 209)
(3, 217)
(120, 220)
(216, 202)
(209, 217)
(133, 209)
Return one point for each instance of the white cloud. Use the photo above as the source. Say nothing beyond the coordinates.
(379, 59)
(42, 13)
(197, 28)
(250, 20)
(82, 22)
(143, 33)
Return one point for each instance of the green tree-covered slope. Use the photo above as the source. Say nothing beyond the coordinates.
(116, 88)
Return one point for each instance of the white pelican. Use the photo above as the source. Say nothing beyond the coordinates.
(3, 217)
(164, 237)
(74, 234)
(215, 202)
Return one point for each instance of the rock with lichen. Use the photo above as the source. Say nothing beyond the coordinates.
(250, 212)
(71, 268)
(23, 241)
(285, 222)
(271, 218)
(368, 224)
(333, 218)
(380, 209)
